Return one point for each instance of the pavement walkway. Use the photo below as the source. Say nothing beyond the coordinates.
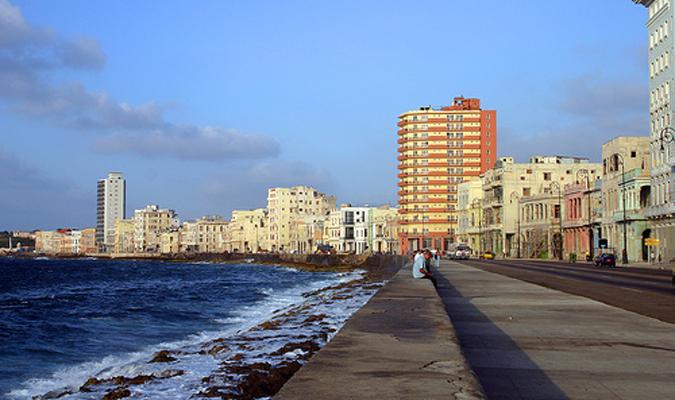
(525, 341)
(400, 345)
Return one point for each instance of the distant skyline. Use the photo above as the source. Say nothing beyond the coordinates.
(204, 105)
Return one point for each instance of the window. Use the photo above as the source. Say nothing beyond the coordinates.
(547, 176)
(526, 191)
(633, 154)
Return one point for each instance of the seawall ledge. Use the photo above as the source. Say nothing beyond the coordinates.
(400, 345)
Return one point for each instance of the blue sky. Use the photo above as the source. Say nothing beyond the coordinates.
(205, 104)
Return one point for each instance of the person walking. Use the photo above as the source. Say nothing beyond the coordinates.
(437, 259)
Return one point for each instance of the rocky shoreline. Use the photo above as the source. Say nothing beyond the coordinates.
(253, 363)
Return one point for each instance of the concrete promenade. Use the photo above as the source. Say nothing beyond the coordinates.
(525, 341)
(401, 345)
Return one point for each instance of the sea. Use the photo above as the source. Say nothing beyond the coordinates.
(84, 328)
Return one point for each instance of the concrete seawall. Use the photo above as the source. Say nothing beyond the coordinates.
(400, 345)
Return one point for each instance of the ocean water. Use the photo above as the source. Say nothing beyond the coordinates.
(65, 321)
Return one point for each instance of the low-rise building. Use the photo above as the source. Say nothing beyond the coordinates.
(469, 206)
(509, 183)
(582, 218)
(149, 224)
(286, 205)
(384, 230)
(124, 236)
(539, 226)
(247, 231)
(625, 196)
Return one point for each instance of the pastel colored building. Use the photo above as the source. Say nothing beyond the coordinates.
(124, 237)
(384, 230)
(149, 223)
(626, 181)
(582, 219)
(247, 231)
(439, 148)
(286, 206)
(469, 206)
(509, 184)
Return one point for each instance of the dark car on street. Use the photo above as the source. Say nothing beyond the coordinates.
(605, 259)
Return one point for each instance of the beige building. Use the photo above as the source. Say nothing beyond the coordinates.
(286, 206)
(47, 242)
(88, 241)
(170, 241)
(626, 180)
(149, 223)
(124, 236)
(509, 183)
(384, 230)
(539, 226)
(469, 211)
(306, 233)
(209, 234)
(247, 231)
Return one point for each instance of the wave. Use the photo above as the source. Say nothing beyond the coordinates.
(69, 379)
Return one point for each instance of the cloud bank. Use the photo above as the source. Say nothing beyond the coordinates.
(29, 56)
(593, 110)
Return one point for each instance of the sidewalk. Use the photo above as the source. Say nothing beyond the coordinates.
(400, 345)
(525, 341)
(582, 261)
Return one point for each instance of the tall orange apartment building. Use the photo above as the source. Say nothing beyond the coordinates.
(438, 149)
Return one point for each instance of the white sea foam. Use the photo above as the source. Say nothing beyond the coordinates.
(195, 366)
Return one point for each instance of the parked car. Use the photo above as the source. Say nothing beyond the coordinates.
(605, 259)
(488, 255)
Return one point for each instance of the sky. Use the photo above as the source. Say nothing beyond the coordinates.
(203, 105)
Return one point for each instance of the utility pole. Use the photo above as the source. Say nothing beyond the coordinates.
(515, 195)
(476, 203)
(620, 160)
(587, 174)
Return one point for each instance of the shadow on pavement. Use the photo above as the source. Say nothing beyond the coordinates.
(503, 369)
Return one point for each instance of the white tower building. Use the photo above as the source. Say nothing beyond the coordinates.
(111, 206)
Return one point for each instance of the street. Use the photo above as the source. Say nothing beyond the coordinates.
(526, 341)
(645, 291)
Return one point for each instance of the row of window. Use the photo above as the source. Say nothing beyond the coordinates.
(659, 35)
(660, 96)
(659, 64)
(656, 6)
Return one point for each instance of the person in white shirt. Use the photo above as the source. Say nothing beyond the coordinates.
(419, 268)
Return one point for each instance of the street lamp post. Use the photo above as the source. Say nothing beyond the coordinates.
(476, 203)
(560, 244)
(666, 136)
(515, 195)
(620, 160)
(587, 174)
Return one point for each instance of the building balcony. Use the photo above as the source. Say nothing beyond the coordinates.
(660, 211)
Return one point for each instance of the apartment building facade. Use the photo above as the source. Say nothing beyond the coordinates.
(111, 206)
(626, 184)
(149, 223)
(286, 205)
(439, 148)
(508, 185)
(661, 209)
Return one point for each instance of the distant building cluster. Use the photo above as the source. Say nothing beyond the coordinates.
(299, 219)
